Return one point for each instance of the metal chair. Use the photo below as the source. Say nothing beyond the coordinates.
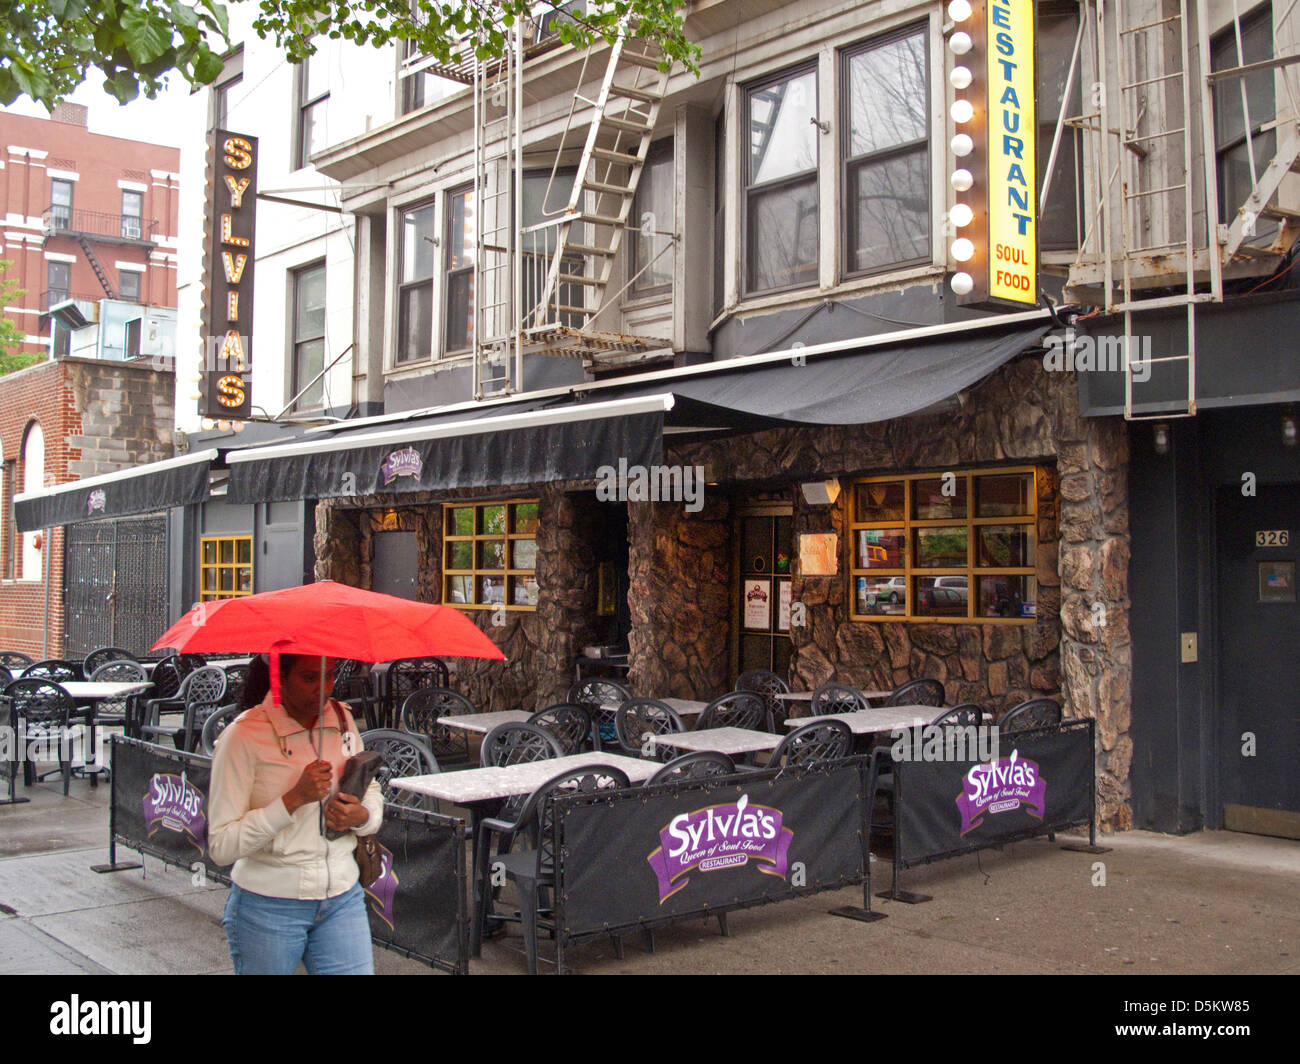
(55, 669)
(200, 694)
(638, 718)
(121, 710)
(822, 740)
(768, 684)
(217, 723)
(40, 710)
(1036, 713)
(601, 698)
(517, 744)
(968, 714)
(98, 658)
(14, 659)
(534, 870)
(407, 675)
(837, 698)
(422, 709)
(924, 692)
(236, 677)
(352, 688)
(739, 709)
(701, 764)
(404, 754)
(569, 724)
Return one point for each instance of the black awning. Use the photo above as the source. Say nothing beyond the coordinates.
(137, 490)
(505, 446)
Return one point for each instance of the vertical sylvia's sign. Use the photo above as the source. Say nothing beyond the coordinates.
(1004, 196)
(228, 265)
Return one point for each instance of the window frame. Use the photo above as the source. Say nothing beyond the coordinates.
(660, 151)
(122, 275)
(433, 204)
(449, 274)
(972, 570)
(811, 178)
(297, 342)
(71, 186)
(1058, 199)
(1263, 13)
(34, 447)
(305, 107)
(507, 572)
(218, 593)
(232, 74)
(849, 165)
(138, 218)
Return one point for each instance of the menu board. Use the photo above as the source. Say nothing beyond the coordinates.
(758, 604)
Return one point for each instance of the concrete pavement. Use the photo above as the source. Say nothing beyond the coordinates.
(1214, 902)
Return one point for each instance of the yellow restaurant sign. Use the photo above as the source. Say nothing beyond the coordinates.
(1012, 163)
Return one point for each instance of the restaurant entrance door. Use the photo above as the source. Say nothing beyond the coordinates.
(1259, 669)
(764, 539)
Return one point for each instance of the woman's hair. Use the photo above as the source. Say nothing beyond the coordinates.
(258, 682)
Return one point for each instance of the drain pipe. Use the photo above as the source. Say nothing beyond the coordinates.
(45, 635)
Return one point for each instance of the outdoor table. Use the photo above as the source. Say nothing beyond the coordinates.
(88, 694)
(685, 707)
(801, 697)
(482, 723)
(880, 719)
(727, 741)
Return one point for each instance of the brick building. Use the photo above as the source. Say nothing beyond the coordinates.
(59, 421)
(86, 217)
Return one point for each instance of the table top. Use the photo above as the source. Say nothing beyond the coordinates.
(88, 689)
(484, 722)
(720, 740)
(880, 719)
(806, 696)
(488, 784)
(685, 707)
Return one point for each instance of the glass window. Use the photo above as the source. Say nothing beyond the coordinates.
(653, 218)
(309, 335)
(920, 549)
(313, 99)
(421, 87)
(1058, 25)
(415, 291)
(128, 286)
(60, 203)
(58, 282)
(222, 92)
(33, 480)
(1230, 126)
(132, 214)
(225, 567)
(490, 554)
(719, 212)
(460, 271)
(781, 183)
(887, 169)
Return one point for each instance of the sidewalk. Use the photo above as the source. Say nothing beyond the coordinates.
(1215, 902)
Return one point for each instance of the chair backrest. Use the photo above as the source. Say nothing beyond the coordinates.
(422, 709)
(568, 723)
(168, 675)
(768, 684)
(120, 672)
(236, 678)
(408, 674)
(404, 754)
(924, 692)
(596, 693)
(837, 698)
(638, 717)
(739, 709)
(14, 659)
(349, 681)
(822, 740)
(517, 744)
(698, 765)
(586, 780)
(97, 658)
(966, 715)
(40, 701)
(1036, 713)
(217, 723)
(205, 686)
(54, 669)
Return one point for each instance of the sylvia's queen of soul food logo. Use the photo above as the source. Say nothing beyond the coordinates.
(174, 803)
(999, 786)
(720, 836)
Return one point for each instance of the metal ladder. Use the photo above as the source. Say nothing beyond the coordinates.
(93, 259)
(581, 244)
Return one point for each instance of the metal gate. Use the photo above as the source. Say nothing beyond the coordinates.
(115, 584)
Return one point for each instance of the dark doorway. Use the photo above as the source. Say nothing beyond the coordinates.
(764, 537)
(394, 564)
(115, 578)
(613, 615)
(1258, 663)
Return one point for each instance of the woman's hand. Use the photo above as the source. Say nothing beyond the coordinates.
(313, 785)
(345, 812)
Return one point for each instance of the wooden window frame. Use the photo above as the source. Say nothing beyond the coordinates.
(509, 536)
(972, 571)
(235, 566)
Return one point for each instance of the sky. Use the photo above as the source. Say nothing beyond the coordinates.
(157, 121)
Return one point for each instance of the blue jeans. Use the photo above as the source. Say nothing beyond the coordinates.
(269, 936)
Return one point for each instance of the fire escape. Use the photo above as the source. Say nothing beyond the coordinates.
(1162, 108)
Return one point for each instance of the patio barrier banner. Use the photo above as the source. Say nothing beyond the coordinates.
(417, 907)
(643, 857)
(1039, 782)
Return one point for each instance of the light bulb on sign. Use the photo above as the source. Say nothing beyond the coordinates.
(223, 425)
(238, 426)
(207, 424)
(962, 111)
(960, 43)
(961, 215)
(959, 10)
(960, 78)
(961, 145)
(962, 180)
(962, 283)
(962, 249)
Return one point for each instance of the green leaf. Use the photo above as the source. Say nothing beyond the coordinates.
(122, 86)
(147, 36)
(67, 10)
(221, 17)
(207, 68)
(185, 16)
